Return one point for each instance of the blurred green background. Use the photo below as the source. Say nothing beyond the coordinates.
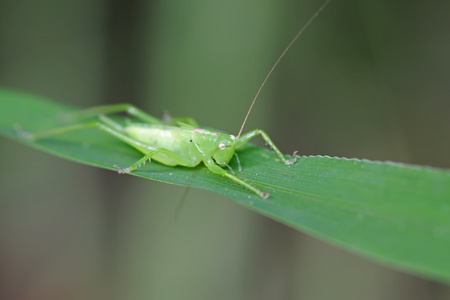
(368, 79)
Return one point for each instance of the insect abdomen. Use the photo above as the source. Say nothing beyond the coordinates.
(174, 139)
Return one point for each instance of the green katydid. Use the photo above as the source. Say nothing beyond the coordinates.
(182, 143)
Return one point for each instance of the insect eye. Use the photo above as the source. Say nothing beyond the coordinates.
(221, 146)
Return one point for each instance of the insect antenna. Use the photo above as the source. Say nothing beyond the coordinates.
(180, 203)
(279, 59)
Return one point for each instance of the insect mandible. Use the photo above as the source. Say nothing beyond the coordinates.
(182, 143)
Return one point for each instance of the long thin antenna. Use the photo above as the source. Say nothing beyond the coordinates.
(279, 59)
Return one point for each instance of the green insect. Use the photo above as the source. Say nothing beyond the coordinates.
(185, 144)
(181, 143)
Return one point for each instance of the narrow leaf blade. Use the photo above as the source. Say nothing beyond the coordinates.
(395, 213)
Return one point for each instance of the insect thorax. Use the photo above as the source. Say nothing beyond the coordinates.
(218, 145)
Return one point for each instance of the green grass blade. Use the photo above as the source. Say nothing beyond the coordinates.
(396, 213)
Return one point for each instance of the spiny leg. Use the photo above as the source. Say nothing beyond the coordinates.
(211, 165)
(112, 109)
(137, 164)
(114, 129)
(59, 130)
(109, 126)
(249, 135)
(175, 157)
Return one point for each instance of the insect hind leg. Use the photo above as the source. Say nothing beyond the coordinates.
(114, 129)
(112, 109)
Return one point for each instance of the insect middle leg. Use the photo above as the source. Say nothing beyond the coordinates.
(178, 159)
(251, 134)
(213, 167)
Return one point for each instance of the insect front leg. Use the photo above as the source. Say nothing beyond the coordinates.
(211, 165)
(249, 135)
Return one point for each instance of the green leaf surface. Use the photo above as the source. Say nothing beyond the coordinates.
(396, 213)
